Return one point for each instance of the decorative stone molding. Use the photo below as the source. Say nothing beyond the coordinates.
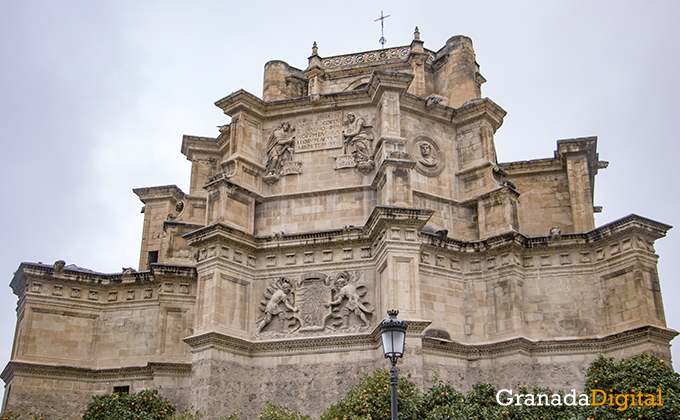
(398, 53)
(534, 348)
(14, 369)
(335, 343)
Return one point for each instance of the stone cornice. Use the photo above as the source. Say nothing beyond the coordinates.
(382, 80)
(633, 221)
(526, 167)
(616, 228)
(134, 278)
(240, 100)
(76, 373)
(480, 108)
(148, 194)
(383, 215)
(222, 178)
(299, 345)
(345, 342)
(193, 144)
(222, 231)
(173, 270)
(419, 105)
(549, 347)
(347, 236)
(418, 218)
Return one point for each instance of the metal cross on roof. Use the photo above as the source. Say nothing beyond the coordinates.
(382, 39)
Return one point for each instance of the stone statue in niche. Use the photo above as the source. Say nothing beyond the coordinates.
(348, 299)
(280, 149)
(357, 141)
(279, 300)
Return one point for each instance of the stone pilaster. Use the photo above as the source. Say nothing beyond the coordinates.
(230, 204)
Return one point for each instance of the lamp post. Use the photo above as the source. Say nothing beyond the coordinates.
(393, 332)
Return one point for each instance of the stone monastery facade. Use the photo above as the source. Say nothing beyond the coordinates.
(365, 182)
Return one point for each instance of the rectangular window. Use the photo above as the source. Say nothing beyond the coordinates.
(153, 258)
(124, 389)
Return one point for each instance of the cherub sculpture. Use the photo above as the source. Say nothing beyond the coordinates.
(347, 290)
(280, 291)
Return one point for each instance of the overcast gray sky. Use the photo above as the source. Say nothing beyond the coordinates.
(95, 97)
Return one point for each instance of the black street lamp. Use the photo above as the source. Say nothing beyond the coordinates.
(393, 332)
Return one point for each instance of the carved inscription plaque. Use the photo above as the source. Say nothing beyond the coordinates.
(319, 132)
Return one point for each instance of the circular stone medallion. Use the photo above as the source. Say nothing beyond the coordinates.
(428, 156)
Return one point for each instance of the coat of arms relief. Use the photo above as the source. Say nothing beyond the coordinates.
(315, 302)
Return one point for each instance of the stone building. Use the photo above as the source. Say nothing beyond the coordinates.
(365, 182)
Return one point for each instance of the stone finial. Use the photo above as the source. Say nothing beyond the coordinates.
(416, 34)
(555, 233)
(315, 49)
(59, 266)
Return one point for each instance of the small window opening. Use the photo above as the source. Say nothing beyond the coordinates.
(153, 258)
(124, 389)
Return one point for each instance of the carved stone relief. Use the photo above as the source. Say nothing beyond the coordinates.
(357, 145)
(279, 301)
(428, 156)
(315, 303)
(348, 294)
(280, 151)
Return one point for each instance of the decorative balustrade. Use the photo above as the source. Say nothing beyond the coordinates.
(371, 56)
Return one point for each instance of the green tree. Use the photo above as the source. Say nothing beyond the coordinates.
(634, 380)
(9, 415)
(144, 405)
(371, 399)
(273, 411)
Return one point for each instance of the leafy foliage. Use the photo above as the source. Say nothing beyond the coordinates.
(640, 375)
(9, 415)
(644, 376)
(273, 411)
(144, 405)
(371, 399)
(480, 403)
